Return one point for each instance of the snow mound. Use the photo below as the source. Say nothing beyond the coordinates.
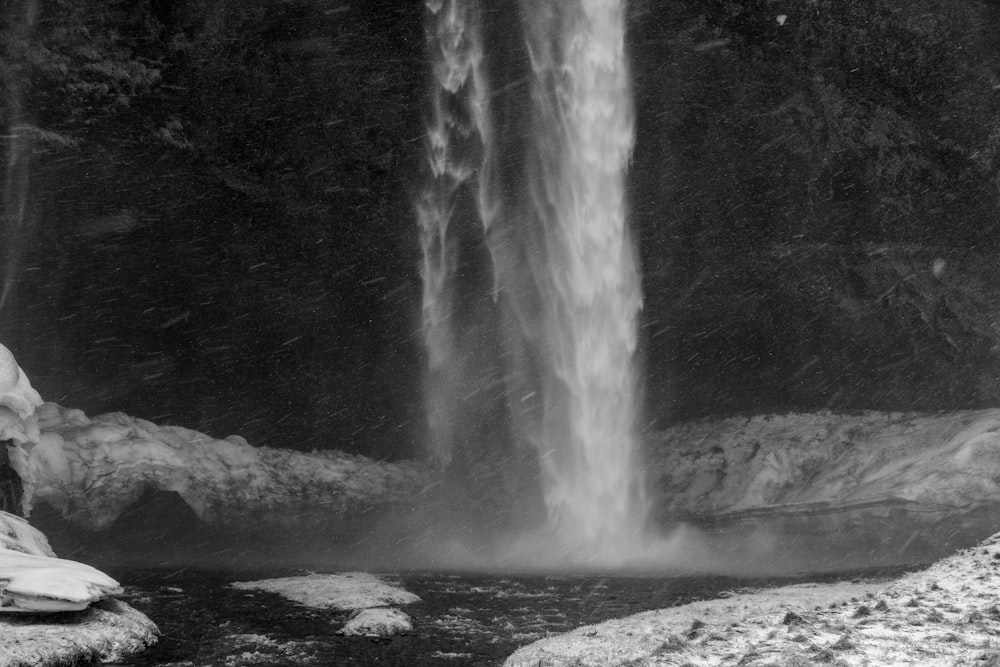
(349, 591)
(93, 469)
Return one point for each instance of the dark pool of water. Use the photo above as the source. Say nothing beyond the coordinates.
(462, 620)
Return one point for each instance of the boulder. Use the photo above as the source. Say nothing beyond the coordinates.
(377, 622)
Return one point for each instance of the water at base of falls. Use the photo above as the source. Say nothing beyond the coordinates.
(531, 287)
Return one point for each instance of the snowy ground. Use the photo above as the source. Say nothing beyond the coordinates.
(948, 614)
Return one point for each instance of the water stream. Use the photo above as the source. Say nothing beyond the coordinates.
(543, 212)
(15, 214)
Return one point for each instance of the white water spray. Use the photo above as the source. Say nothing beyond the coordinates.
(566, 291)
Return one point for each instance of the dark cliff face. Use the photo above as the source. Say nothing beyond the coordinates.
(218, 227)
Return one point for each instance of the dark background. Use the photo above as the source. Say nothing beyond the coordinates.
(219, 229)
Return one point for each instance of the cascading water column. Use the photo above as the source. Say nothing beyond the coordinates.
(14, 215)
(531, 300)
(453, 206)
(586, 270)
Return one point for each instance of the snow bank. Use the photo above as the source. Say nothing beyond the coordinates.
(93, 469)
(946, 615)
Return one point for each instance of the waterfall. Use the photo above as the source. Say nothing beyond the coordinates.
(457, 151)
(15, 214)
(565, 292)
(583, 133)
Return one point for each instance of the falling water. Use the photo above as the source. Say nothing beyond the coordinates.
(457, 150)
(14, 215)
(565, 291)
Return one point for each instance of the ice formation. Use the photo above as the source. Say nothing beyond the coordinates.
(18, 401)
(93, 469)
(16, 392)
